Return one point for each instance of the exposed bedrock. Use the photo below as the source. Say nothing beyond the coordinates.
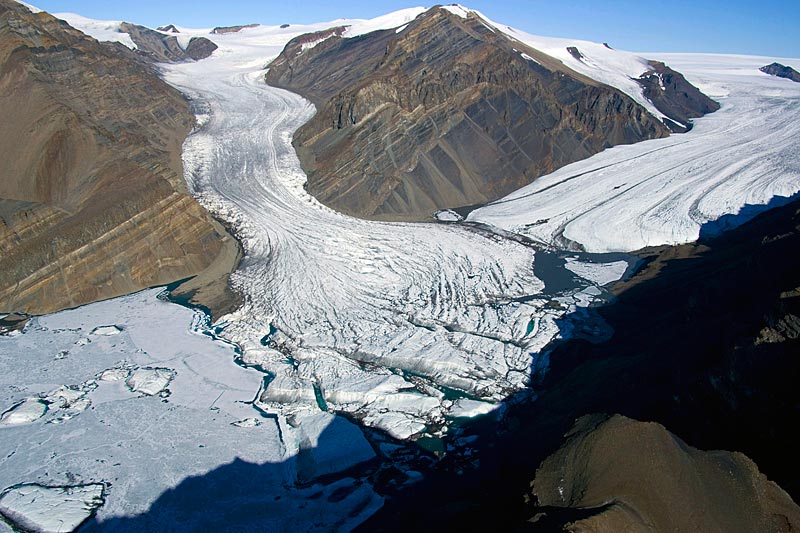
(445, 113)
(166, 48)
(675, 97)
(781, 71)
(93, 203)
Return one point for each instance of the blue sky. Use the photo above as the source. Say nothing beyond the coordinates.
(736, 26)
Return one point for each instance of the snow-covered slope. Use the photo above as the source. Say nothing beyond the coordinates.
(666, 190)
(616, 68)
(102, 30)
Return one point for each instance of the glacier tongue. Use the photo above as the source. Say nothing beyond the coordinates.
(374, 319)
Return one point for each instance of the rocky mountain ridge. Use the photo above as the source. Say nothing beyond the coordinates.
(165, 48)
(781, 71)
(448, 112)
(93, 203)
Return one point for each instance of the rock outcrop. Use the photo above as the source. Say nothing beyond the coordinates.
(635, 476)
(93, 203)
(169, 28)
(445, 113)
(221, 30)
(781, 71)
(166, 48)
(675, 97)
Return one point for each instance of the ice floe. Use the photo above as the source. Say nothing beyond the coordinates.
(41, 509)
(76, 420)
(598, 273)
(25, 412)
(150, 381)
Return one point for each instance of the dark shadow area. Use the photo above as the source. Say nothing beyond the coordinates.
(705, 342)
(243, 496)
(724, 223)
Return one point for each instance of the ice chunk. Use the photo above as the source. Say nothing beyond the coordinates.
(50, 509)
(114, 374)
(466, 408)
(25, 412)
(599, 273)
(106, 331)
(447, 215)
(247, 423)
(150, 381)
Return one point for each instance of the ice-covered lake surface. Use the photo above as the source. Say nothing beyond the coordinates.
(131, 395)
(407, 328)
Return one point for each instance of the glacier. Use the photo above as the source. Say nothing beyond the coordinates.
(402, 327)
(666, 191)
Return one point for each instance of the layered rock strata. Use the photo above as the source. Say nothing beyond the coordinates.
(443, 113)
(678, 99)
(93, 203)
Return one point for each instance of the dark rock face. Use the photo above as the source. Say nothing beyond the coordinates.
(655, 482)
(169, 29)
(93, 203)
(781, 71)
(165, 48)
(219, 30)
(574, 52)
(200, 48)
(446, 113)
(675, 97)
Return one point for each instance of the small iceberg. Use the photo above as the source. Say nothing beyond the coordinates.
(150, 381)
(25, 412)
(106, 331)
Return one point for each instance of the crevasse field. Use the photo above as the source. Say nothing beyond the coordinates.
(402, 327)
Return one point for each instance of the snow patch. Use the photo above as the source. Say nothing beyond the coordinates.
(447, 215)
(102, 30)
(33, 9)
(457, 10)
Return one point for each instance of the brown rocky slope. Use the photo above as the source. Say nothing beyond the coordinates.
(637, 476)
(92, 199)
(446, 113)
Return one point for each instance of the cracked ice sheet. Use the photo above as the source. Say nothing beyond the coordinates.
(350, 299)
(96, 429)
(664, 190)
